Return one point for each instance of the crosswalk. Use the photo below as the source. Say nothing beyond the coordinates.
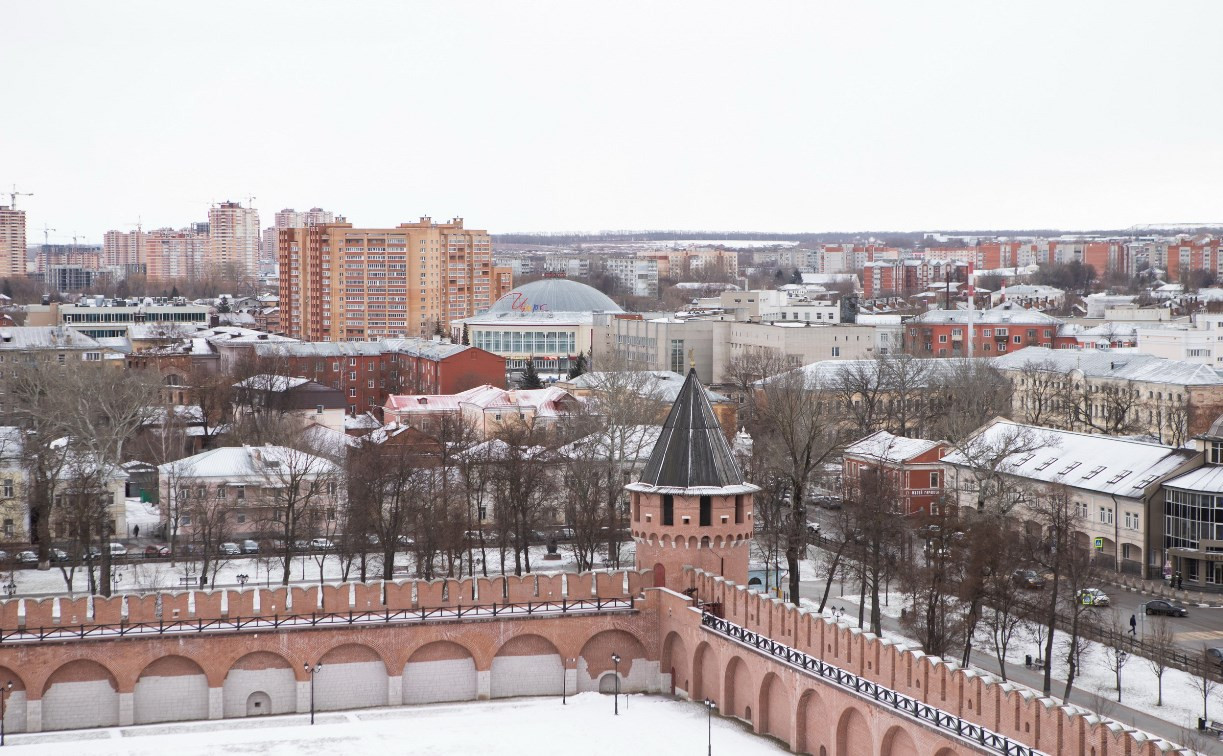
(1199, 635)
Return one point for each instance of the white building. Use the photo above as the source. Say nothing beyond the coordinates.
(637, 276)
(1200, 340)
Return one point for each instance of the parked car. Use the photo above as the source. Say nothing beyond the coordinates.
(828, 502)
(301, 544)
(1093, 597)
(229, 548)
(117, 550)
(1215, 655)
(3, 556)
(153, 551)
(1167, 608)
(92, 553)
(1028, 579)
(28, 557)
(322, 543)
(250, 547)
(59, 555)
(813, 529)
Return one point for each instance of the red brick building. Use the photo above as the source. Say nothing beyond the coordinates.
(910, 465)
(944, 333)
(904, 278)
(370, 371)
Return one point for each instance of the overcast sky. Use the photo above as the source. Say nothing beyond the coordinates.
(520, 116)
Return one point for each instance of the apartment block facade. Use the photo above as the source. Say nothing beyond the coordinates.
(341, 283)
(12, 242)
(233, 238)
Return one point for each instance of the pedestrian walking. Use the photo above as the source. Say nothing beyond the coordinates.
(1133, 624)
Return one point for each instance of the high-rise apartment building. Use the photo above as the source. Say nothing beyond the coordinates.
(174, 254)
(119, 248)
(12, 242)
(233, 238)
(289, 218)
(340, 283)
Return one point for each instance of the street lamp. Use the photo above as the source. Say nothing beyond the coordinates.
(616, 694)
(709, 707)
(3, 695)
(242, 580)
(310, 671)
(565, 680)
(115, 579)
(10, 588)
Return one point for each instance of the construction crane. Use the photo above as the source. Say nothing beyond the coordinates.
(13, 195)
(46, 233)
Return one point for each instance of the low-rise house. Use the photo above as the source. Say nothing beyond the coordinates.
(246, 492)
(486, 409)
(1116, 485)
(910, 466)
(304, 399)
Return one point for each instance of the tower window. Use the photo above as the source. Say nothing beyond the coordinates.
(706, 511)
(668, 510)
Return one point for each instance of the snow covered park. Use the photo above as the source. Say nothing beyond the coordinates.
(528, 726)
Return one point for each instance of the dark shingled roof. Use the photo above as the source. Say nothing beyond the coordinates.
(691, 450)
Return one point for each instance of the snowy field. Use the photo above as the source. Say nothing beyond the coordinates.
(528, 726)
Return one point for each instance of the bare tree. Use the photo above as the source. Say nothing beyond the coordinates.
(1115, 652)
(1205, 681)
(296, 487)
(1159, 645)
(1041, 400)
(1051, 543)
(797, 432)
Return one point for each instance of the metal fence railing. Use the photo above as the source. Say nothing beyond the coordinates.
(57, 633)
(940, 720)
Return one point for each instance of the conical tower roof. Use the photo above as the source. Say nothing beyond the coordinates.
(691, 451)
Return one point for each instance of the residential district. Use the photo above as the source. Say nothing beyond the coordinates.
(865, 495)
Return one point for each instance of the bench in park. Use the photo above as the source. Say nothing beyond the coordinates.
(1211, 726)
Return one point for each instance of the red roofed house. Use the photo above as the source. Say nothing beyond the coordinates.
(911, 465)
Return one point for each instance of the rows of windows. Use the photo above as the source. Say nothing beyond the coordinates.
(1191, 518)
(526, 342)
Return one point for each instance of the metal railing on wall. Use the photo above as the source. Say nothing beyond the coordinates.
(103, 631)
(937, 718)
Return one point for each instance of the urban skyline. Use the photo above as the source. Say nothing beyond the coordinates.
(807, 118)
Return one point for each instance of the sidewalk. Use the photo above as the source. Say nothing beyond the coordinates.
(1160, 589)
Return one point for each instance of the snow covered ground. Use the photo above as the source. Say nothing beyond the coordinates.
(527, 726)
(138, 575)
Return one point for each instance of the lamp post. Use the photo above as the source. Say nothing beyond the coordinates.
(310, 671)
(10, 588)
(616, 694)
(3, 696)
(115, 579)
(565, 680)
(242, 580)
(709, 707)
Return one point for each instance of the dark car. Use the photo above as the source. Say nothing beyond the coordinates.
(1167, 608)
(1028, 579)
(153, 551)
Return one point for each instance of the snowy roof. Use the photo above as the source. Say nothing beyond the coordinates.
(1115, 466)
(887, 447)
(236, 335)
(45, 337)
(1208, 478)
(999, 315)
(426, 348)
(630, 444)
(278, 383)
(543, 402)
(246, 461)
(364, 421)
(555, 295)
(1132, 366)
(929, 370)
(661, 384)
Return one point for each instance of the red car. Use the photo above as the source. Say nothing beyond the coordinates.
(153, 552)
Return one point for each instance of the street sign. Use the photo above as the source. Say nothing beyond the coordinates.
(1099, 544)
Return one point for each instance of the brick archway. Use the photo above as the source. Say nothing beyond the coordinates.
(897, 742)
(353, 676)
(739, 695)
(80, 693)
(811, 728)
(675, 663)
(15, 701)
(168, 689)
(264, 678)
(775, 708)
(705, 672)
(527, 665)
(595, 661)
(438, 672)
(853, 734)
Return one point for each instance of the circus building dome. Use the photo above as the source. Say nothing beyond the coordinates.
(555, 295)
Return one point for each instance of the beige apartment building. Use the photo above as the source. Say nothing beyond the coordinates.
(12, 242)
(233, 238)
(680, 264)
(123, 248)
(341, 283)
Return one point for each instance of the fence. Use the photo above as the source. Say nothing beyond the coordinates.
(1194, 664)
(942, 721)
(314, 619)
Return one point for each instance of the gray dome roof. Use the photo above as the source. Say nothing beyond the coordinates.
(555, 295)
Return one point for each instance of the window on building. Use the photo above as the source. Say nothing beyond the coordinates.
(8, 488)
(739, 509)
(836, 351)
(1106, 515)
(677, 356)
(934, 480)
(706, 511)
(668, 510)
